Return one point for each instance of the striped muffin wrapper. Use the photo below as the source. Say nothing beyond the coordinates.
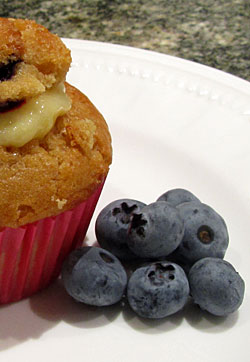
(31, 256)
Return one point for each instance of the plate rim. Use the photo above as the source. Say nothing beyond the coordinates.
(221, 76)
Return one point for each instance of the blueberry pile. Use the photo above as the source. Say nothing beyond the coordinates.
(176, 246)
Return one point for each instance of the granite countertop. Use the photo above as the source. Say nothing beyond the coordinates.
(211, 32)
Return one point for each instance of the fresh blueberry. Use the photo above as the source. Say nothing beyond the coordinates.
(216, 286)
(112, 227)
(156, 231)
(94, 276)
(158, 290)
(178, 196)
(205, 234)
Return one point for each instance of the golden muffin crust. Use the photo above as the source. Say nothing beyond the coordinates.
(48, 176)
(31, 59)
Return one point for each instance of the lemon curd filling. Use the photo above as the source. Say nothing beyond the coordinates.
(35, 118)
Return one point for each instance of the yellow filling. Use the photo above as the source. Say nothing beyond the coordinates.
(35, 118)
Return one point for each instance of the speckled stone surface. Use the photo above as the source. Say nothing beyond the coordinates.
(211, 32)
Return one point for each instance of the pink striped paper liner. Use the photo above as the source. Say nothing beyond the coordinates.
(31, 256)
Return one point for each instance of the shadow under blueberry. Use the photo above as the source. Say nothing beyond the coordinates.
(152, 326)
(191, 313)
(29, 319)
(206, 322)
(55, 305)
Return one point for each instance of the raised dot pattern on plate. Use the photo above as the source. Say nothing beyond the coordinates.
(191, 83)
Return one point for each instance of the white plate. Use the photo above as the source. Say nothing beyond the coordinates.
(174, 123)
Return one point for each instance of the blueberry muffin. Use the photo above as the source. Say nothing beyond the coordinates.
(55, 153)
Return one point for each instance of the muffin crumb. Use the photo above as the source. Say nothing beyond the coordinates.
(60, 203)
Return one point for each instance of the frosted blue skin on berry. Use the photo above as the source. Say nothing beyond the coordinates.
(216, 286)
(205, 235)
(156, 231)
(178, 196)
(94, 276)
(158, 290)
(112, 227)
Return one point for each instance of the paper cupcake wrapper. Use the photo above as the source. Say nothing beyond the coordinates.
(31, 256)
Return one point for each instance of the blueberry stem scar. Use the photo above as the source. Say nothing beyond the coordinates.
(137, 223)
(125, 210)
(106, 258)
(205, 234)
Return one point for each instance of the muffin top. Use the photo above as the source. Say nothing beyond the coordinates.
(56, 173)
(32, 60)
(55, 147)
